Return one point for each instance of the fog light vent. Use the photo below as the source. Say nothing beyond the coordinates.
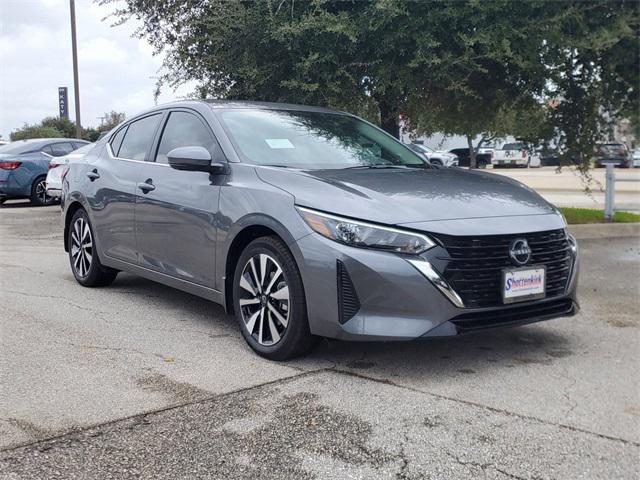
(348, 303)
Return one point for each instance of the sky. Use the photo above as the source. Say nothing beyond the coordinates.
(117, 72)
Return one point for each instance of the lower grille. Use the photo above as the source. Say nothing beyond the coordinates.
(470, 322)
(348, 302)
(473, 265)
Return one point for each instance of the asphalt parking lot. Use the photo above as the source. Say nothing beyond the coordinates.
(138, 380)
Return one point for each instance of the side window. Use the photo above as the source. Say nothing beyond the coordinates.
(47, 149)
(183, 130)
(61, 149)
(138, 138)
(116, 141)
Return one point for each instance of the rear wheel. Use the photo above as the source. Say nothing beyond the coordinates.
(83, 255)
(269, 301)
(39, 195)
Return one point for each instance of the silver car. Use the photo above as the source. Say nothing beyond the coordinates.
(305, 222)
(58, 167)
(435, 157)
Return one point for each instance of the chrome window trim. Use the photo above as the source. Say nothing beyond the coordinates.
(426, 269)
(113, 157)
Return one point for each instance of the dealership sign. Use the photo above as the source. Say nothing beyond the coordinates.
(62, 102)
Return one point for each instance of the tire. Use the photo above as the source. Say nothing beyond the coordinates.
(83, 256)
(436, 162)
(272, 316)
(482, 165)
(39, 197)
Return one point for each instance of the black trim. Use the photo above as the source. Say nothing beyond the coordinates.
(348, 302)
(520, 314)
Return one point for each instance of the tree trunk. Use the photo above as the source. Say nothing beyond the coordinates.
(472, 153)
(389, 119)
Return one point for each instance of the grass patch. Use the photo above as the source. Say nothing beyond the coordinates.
(591, 215)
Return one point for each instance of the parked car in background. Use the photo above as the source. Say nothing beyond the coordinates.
(435, 157)
(482, 159)
(2, 142)
(59, 165)
(306, 222)
(614, 153)
(635, 156)
(515, 154)
(24, 165)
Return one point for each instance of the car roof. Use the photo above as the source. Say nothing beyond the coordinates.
(237, 104)
(49, 140)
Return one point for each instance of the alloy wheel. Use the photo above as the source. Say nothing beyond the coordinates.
(41, 192)
(81, 247)
(264, 299)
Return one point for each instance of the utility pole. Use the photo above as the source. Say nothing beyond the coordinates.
(74, 50)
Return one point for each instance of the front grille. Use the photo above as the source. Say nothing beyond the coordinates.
(348, 303)
(471, 322)
(473, 265)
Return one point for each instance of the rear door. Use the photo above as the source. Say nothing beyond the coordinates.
(176, 210)
(112, 186)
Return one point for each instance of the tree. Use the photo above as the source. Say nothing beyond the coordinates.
(593, 59)
(57, 127)
(467, 67)
(34, 131)
(111, 120)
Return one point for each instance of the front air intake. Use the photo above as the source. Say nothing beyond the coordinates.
(348, 303)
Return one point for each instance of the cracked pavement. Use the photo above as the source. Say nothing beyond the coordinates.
(138, 380)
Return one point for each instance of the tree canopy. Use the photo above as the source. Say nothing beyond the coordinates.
(465, 67)
(58, 127)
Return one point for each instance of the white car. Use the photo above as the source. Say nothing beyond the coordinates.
(515, 154)
(57, 168)
(635, 157)
(435, 157)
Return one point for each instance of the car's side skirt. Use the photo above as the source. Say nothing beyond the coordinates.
(189, 287)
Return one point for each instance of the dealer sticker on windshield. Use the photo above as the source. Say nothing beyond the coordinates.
(523, 284)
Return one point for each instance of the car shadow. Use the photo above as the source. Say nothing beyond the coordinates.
(475, 353)
(488, 351)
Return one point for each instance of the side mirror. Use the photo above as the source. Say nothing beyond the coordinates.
(194, 159)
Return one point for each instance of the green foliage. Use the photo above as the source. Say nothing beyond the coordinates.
(590, 215)
(460, 67)
(34, 131)
(110, 120)
(56, 127)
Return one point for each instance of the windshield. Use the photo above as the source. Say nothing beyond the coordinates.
(612, 149)
(312, 140)
(20, 147)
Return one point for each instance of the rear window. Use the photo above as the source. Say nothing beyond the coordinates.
(61, 149)
(139, 136)
(513, 146)
(17, 148)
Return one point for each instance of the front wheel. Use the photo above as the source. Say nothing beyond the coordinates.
(39, 196)
(269, 301)
(83, 255)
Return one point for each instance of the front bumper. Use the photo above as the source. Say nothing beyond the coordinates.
(395, 301)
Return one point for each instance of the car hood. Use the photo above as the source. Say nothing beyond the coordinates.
(395, 196)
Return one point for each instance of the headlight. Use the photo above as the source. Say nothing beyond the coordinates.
(365, 235)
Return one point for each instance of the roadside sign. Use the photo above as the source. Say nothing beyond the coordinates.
(62, 102)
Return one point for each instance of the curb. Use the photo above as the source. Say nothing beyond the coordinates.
(605, 230)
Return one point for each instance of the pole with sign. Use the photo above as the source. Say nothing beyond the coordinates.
(63, 103)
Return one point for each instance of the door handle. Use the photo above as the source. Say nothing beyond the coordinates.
(147, 186)
(93, 175)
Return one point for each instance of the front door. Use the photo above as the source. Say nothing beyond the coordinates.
(176, 209)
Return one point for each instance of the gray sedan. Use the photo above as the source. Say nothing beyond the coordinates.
(306, 222)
